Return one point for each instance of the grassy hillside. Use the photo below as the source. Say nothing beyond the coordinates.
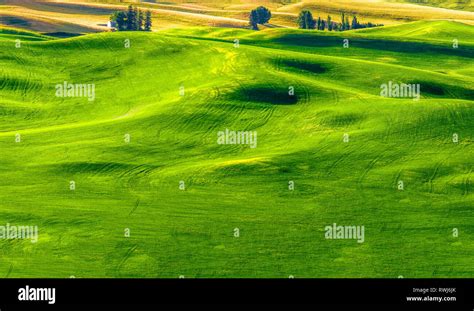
(15, 34)
(190, 232)
(436, 30)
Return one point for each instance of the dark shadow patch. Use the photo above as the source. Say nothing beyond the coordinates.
(61, 34)
(314, 41)
(15, 21)
(435, 89)
(266, 94)
(342, 120)
(303, 66)
(92, 167)
(23, 84)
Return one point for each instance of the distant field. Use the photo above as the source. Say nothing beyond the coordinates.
(91, 16)
(379, 11)
(134, 185)
(466, 5)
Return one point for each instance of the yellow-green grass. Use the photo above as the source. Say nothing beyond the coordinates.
(15, 34)
(190, 232)
(435, 30)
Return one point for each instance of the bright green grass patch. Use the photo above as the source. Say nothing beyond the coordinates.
(173, 138)
(15, 33)
(425, 30)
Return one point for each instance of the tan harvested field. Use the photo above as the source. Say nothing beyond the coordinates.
(91, 16)
(379, 11)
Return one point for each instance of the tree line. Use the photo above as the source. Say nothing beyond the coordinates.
(132, 20)
(262, 15)
(306, 21)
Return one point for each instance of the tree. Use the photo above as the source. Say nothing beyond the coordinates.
(310, 22)
(302, 20)
(135, 18)
(329, 23)
(140, 20)
(355, 23)
(148, 20)
(323, 25)
(253, 19)
(113, 17)
(121, 21)
(120, 18)
(318, 23)
(263, 15)
(130, 18)
(348, 26)
(343, 23)
(306, 20)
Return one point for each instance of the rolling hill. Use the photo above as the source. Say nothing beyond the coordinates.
(196, 208)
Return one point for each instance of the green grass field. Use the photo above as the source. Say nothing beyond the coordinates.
(190, 232)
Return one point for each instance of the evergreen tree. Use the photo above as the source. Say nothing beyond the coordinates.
(342, 22)
(135, 18)
(306, 20)
(130, 18)
(347, 23)
(302, 20)
(121, 21)
(140, 20)
(355, 23)
(310, 22)
(318, 23)
(323, 25)
(329, 23)
(148, 20)
(120, 18)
